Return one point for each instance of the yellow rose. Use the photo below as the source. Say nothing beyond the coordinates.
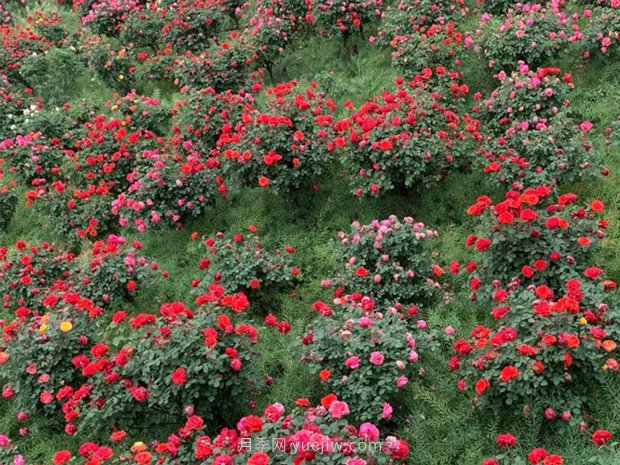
(114, 107)
(583, 321)
(138, 447)
(121, 77)
(66, 326)
(43, 328)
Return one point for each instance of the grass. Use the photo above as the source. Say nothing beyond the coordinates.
(435, 419)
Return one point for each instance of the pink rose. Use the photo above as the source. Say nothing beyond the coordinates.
(377, 358)
(338, 409)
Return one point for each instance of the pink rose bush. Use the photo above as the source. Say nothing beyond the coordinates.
(241, 263)
(601, 31)
(525, 95)
(405, 139)
(533, 33)
(170, 185)
(106, 16)
(117, 270)
(364, 354)
(535, 139)
(389, 261)
(274, 26)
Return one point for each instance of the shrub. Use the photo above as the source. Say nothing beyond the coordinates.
(204, 114)
(547, 152)
(317, 433)
(113, 67)
(144, 28)
(242, 264)
(190, 23)
(526, 95)
(181, 358)
(408, 16)
(107, 16)
(16, 105)
(537, 456)
(546, 351)
(406, 139)
(171, 185)
(49, 26)
(33, 157)
(388, 261)
(426, 47)
(116, 270)
(286, 147)
(532, 33)
(27, 273)
(225, 65)
(106, 150)
(18, 44)
(140, 112)
(42, 346)
(273, 27)
(534, 137)
(8, 205)
(601, 32)
(362, 353)
(536, 236)
(345, 18)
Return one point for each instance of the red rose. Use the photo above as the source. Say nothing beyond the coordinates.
(194, 423)
(139, 393)
(483, 244)
(61, 457)
(553, 460)
(508, 373)
(253, 423)
(601, 437)
(259, 458)
(481, 386)
(506, 440)
(536, 456)
(361, 272)
(179, 376)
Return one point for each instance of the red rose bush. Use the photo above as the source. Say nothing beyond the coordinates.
(545, 349)
(405, 139)
(241, 263)
(165, 363)
(285, 147)
(317, 434)
(535, 236)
